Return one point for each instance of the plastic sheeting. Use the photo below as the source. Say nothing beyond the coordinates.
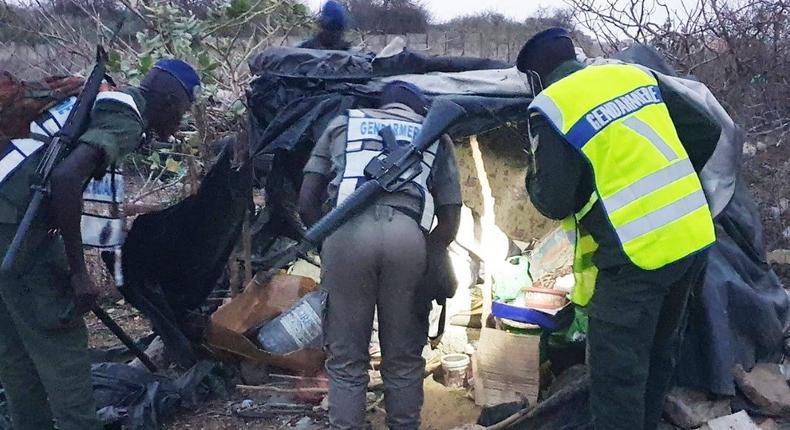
(298, 91)
(741, 313)
(134, 399)
(173, 258)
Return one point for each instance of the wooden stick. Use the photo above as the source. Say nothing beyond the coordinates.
(256, 388)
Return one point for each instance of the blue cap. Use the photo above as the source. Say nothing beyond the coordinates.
(183, 72)
(333, 16)
(405, 93)
(539, 40)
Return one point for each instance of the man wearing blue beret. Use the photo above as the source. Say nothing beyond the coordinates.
(617, 156)
(44, 363)
(333, 22)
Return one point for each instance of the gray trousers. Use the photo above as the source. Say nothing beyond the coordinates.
(376, 261)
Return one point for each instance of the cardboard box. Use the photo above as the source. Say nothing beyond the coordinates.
(506, 368)
(229, 325)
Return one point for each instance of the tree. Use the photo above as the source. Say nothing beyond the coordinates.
(389, 16)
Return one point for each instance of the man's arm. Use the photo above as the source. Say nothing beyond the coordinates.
(560, 182)
(312, 195)
(67, 183)
(448, 219)
(318, 172)
(446, 191)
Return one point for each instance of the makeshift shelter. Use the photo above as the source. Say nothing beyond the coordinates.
(297, 92)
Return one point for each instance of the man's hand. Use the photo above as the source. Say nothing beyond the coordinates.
(86, 293)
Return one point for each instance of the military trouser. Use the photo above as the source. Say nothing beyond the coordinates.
(44, 363)
(636, 322)
(375, 262)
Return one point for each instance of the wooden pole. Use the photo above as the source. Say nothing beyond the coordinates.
(246, 236)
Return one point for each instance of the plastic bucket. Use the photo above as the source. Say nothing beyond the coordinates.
(455, 367)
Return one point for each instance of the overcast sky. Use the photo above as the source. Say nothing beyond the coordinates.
(444, 10)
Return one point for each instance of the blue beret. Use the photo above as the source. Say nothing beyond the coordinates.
(539, 39)
(406, 93)
(333, 16)
(183, 72)
(408, 86)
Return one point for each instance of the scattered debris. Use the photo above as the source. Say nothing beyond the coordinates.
(765, 387)
(688, 408)
(253, 373)
(156, 353)
(779, 256)
(739, 421)
(229, 325)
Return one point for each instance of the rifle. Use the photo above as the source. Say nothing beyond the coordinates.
(390, 171)
(63, 142)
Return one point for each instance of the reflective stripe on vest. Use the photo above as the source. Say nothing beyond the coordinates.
(20, 150)
(648, 187)
(584, 246)
(363, 144)
(97, 231)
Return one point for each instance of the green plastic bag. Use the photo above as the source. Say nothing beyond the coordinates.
(512, 278)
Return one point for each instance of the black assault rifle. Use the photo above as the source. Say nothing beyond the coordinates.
(63, 142)
(390, 171)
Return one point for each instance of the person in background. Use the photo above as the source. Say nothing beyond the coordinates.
(44, 363)
(616, 157)
(332, 22)
(377, 260)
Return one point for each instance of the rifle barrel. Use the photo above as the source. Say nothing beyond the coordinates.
(30, 214)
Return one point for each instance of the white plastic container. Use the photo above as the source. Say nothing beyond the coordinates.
(455, 367)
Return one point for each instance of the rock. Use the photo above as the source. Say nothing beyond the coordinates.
(156, 352)
(254, 373)
(247, 404)
(749, 149)
(304, 423)
(687, 408)
(324, 404)
(784, 204)
(469, 427)
(739, 421)
(768, 424)
(779, 256)
(765, 386)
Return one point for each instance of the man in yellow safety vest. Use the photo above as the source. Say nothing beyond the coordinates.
(615, 159)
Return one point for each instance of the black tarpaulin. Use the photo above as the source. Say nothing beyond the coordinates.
(298, 91)
(174, 257)
(741, 314)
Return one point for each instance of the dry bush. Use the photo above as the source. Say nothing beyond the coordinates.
(41, 40)
(739, 48)
(389, 16)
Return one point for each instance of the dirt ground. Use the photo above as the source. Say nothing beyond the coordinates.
(444, 409)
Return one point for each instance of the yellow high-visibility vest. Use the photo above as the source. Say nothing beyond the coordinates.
(614, 115)
(584, 246)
